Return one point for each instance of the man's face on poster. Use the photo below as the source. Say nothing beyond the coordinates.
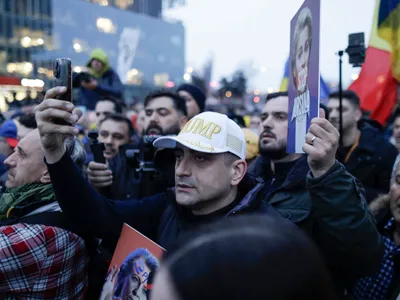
(303, 49)
(135, 285)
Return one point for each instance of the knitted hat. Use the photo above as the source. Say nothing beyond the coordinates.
(196, 93)
(252, 148)
(9, 131)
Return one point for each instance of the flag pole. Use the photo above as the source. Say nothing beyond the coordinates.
(340, 99)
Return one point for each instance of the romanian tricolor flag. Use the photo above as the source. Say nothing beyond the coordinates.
(324, 89)
(377, 84)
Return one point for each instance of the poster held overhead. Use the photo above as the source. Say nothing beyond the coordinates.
(304, 73)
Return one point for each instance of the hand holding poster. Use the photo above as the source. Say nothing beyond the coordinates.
(304, 73)
(132, 268)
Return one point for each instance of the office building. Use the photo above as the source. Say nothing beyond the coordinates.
(145, 51)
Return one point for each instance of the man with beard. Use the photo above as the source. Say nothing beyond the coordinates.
(165, 114)
(211, 184)
(287, 189)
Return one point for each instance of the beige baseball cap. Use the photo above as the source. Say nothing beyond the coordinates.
(208, 132)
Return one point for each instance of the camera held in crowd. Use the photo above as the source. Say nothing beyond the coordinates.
(142, 159)
(96, 147)
(81, 77)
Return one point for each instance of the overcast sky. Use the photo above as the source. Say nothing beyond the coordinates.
(240, 32)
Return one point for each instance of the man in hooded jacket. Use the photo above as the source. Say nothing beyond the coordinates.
(101, 80)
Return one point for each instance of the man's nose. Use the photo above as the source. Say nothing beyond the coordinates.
(10, 162)
(267, 123)
(183, 168)
(154, 118)
(108, 140)
(334, 114)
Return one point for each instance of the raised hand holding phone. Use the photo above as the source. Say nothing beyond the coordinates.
(62, 70)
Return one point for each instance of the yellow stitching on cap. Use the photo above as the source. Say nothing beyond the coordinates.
(197, 144)
(197, 126)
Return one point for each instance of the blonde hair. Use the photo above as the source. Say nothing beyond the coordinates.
(304, 20)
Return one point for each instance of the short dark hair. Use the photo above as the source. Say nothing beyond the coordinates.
(179, 102)
(265, 246)
(116, 101)
(349, 95)
(276, 95)
(121, 119)
(28, 121)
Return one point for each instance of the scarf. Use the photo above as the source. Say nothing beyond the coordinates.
(31, 195)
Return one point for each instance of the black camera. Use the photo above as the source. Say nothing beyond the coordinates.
(79, 77)
(142, 159)
(96, 147)
(356, 49)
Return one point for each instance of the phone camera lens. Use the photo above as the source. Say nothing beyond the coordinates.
(57, 69)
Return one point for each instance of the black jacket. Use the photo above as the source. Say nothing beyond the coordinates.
(332, 209)
(372, 161)
(158, 217)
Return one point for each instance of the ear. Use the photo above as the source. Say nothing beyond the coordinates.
(45, 178)
(358, 114)
(182, 121)
(239, 169)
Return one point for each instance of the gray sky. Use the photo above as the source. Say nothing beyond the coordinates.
(257, 31)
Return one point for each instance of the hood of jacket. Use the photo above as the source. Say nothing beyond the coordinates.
(101, 56)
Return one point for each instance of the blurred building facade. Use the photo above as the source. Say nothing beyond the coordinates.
(143, 49)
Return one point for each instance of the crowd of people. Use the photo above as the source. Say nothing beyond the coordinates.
(220, 194)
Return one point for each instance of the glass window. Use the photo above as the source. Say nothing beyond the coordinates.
(124, 4)
(3, 62)
(106, 25)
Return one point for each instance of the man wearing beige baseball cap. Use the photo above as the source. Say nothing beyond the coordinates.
(210, 183)
(210, 180)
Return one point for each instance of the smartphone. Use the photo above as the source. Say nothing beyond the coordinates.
(62, 71)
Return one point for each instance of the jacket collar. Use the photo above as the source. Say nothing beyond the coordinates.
(367, 138)
(249, 190)
(298, 173)
(296, 176)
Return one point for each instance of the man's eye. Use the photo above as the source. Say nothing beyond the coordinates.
(178, 156)
(163, 112)
(199, 158)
